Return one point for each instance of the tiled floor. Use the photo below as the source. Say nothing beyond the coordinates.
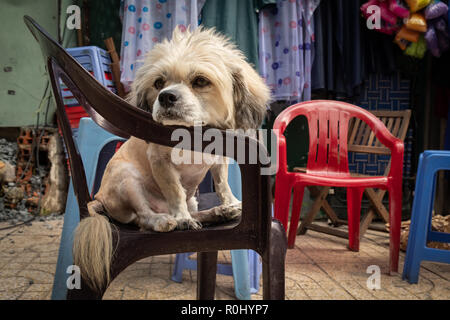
(320, 267)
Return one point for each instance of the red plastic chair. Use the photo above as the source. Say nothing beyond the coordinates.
(328, 123)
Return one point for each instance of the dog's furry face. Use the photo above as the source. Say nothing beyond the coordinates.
(200, 77)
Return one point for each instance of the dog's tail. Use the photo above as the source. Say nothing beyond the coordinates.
(92, 247)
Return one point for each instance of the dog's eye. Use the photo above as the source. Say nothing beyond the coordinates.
(200, 82)
(159, 83)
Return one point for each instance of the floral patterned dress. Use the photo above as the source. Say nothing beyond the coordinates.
(286, 36)
(147, 22)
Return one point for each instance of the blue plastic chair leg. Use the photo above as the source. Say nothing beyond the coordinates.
(182, 262)
(71, 220)
(239, 262)
(412, 260)
(255, 268)
(90, 141)
(430, 162)
(239, 259)
(246, 260)
(245, 266)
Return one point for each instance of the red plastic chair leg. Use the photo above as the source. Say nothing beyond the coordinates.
(282, 201)
(295, 215)
(354, 197)
(395, 220)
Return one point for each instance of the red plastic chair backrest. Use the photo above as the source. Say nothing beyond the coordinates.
(328, 123)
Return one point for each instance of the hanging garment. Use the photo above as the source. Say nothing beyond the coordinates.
(104, 25)
(286, 36)
(339, 48)
(147, 22)
(238, 20)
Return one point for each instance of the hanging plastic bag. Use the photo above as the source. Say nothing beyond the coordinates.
(437, 36)
(443, 41)
(386, 14)
(402, 43)
(366, 5)
(441, 26)
(435, 10)
(416, 5)
(417, 49)
(388, 19)
(405, 37)
(388, 28)
(432, 41)
(407, 34)
(398, 8)
(417, 22)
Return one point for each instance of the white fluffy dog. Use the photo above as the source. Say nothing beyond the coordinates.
(196, 77)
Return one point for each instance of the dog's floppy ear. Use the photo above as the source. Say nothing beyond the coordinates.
(137, 97)
(142, 102)
(251, 96)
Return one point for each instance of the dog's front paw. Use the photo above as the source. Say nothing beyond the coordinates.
(188, 224)
(163, 223)
(229, 212)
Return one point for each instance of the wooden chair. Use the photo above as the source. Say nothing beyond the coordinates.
(361, 139)
(254, 230)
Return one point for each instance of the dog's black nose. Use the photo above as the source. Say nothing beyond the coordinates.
(167, 99)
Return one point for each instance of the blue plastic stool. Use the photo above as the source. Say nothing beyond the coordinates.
(430, 162)
(97, 62)
(245, 264)
(91, 141)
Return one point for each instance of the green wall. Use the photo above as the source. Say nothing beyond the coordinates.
(20, 53)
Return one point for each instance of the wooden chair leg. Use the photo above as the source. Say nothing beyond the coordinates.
(376, 199)
(366, 221)
(377, 207)
(273, 264)
(206, 275)
(335, 221)
(315, 191)
(313, 211)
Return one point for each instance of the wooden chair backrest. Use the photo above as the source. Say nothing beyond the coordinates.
(362, 139)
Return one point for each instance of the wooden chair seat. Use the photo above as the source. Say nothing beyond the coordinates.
(352, 174)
